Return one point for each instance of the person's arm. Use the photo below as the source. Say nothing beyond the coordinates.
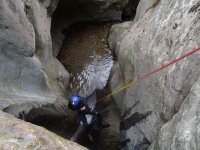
(83, 107)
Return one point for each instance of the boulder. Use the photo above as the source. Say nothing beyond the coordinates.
(17, 134)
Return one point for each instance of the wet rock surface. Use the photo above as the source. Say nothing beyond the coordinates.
(162, 33)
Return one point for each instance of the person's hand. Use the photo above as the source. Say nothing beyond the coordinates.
(83, 108)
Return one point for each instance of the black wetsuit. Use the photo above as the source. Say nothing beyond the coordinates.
(83, 109)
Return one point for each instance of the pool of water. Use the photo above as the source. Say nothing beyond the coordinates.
(87, 57)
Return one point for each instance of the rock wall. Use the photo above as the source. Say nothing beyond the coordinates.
(182, 131)
(17, 134)
(28, 71)
(162, 31)
(32, 81)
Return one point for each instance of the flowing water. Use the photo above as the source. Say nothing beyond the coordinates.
(85, 54)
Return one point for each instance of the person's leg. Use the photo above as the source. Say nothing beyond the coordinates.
(95, 113)
(83, 119)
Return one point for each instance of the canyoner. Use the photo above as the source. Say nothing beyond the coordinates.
(78, 104)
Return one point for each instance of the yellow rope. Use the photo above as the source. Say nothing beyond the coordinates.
(118, 90)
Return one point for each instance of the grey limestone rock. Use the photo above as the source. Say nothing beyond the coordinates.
(182, 131)
(19, 135)
(165, 31)
(28, 71)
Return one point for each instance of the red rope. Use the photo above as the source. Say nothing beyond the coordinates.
(150, 74)
(169, 64)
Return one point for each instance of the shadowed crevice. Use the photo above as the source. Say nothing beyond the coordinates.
(133, 119)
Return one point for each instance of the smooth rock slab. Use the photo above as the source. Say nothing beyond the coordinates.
(19, 135)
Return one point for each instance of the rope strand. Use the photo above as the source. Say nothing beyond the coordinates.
(148, 75)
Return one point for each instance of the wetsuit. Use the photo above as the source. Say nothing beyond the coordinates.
(83, 109)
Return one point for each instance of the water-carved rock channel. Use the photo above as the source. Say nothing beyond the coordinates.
(87, 57)
(159, 113)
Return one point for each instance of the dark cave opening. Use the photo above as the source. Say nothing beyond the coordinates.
(129, 12)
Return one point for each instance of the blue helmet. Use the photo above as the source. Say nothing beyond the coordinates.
(75, 100)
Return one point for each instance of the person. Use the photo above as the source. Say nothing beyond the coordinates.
(76, 103)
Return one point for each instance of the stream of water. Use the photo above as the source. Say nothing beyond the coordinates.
(85, 54)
